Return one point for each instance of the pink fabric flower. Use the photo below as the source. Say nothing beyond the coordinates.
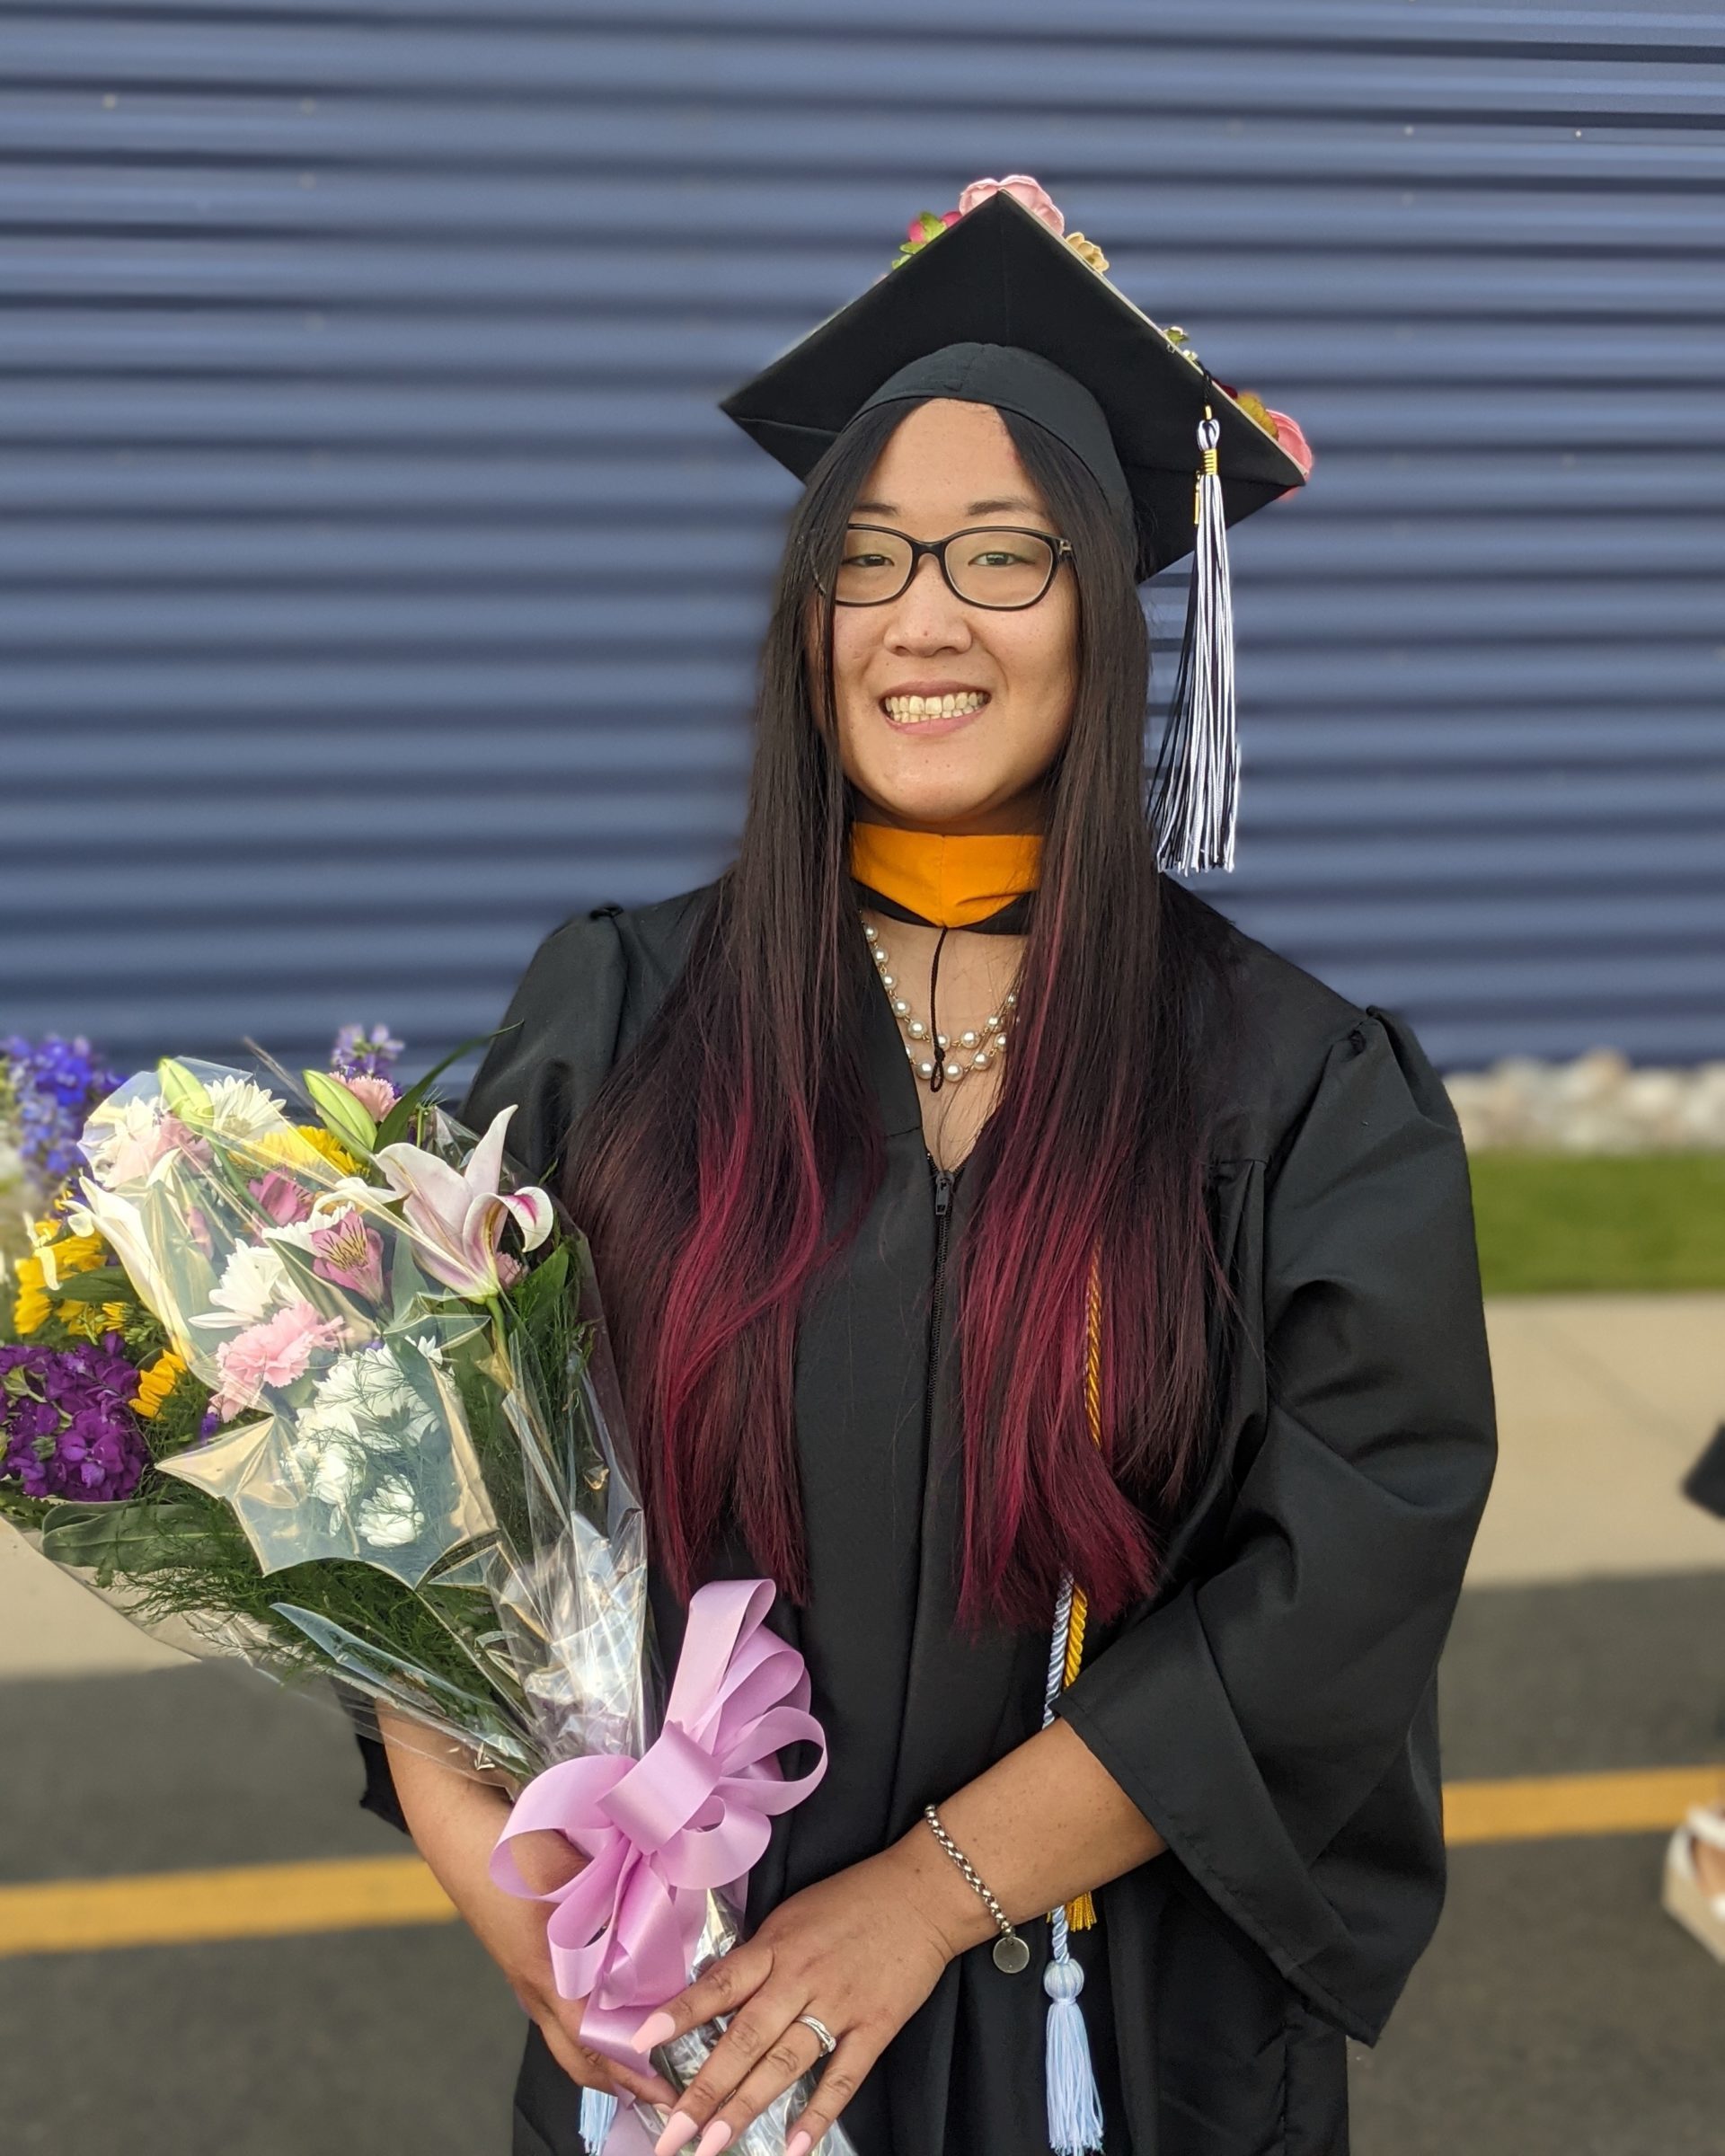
(1030, 192)
(376, 1095)
(1289, 434)
(274, 1353)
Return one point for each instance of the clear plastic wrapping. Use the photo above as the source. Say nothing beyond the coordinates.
(414, 1476)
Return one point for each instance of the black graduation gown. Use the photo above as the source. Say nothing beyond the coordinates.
(1272, 1711)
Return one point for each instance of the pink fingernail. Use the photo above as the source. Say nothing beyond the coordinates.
(714, 2139)
(799, 2144)
(679, 2132)
(657, 2028)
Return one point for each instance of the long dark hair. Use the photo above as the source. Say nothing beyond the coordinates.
(707, 1167)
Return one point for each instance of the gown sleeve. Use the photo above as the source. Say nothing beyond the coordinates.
(556, 1043)
(1275, 1718)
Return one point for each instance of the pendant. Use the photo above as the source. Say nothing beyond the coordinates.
(1011, 1955)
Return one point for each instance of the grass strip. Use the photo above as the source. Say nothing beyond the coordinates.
(1559, 1223)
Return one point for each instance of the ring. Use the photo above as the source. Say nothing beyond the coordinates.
(828, 2041)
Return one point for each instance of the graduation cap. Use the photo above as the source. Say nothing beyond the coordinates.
(996, 302)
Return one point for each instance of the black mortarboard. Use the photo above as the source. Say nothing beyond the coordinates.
(998, 304)
(1001, 277)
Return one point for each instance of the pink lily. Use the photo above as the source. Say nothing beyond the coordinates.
(456, 1216)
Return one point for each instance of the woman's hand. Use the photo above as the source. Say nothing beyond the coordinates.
(455, 1818)
(861, 1951)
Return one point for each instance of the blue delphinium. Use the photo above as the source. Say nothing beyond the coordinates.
(52, 1085)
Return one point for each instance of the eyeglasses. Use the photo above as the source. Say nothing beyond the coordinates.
(997, 565)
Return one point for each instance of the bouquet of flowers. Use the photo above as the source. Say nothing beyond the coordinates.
(382, 1444)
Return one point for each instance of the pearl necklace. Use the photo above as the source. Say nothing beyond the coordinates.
(979, 1046)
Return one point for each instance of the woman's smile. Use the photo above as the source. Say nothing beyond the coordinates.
(932, 714)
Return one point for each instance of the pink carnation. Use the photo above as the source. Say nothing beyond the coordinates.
(274, 1353)
(1030, 192)
(376, 1095)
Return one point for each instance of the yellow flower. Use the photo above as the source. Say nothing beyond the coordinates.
(31, 1305)
(90, 1320)
(1086, 250)
(157, 1382)
(283, 1148)
(333, 1151)
(40, 1273)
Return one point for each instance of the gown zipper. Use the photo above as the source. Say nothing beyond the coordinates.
(944, 1179)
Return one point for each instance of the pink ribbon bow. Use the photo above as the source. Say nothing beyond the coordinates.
(694, 1813)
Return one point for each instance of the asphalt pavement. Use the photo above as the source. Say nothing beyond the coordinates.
(1558, 2010)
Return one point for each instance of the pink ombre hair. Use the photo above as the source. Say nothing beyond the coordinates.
(705, 1170)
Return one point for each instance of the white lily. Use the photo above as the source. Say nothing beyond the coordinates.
(456, 1216)
(122, 1227)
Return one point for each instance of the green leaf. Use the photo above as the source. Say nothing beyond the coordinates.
(349, 1118)
(104, 1284)
(396, 1121)
(544, 1286)
(183, 1094)
(131, 1539)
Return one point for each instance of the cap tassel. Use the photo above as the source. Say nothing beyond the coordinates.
(598, 2111)
(1197, 773)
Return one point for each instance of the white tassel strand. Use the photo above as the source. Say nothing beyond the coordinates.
(1075, 2108)
(598, 2110)
(1074, 2105)
(1197, 773)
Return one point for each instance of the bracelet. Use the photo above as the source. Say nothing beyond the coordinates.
(1010, 1951)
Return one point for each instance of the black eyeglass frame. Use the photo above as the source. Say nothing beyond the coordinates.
(1059, 550)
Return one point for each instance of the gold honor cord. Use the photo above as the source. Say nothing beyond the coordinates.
(1081, 1911)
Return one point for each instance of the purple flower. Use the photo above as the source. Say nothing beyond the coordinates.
(55, 1084)
(66, 1427)
(357, 1054)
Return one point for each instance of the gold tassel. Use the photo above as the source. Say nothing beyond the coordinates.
(1081, 1911)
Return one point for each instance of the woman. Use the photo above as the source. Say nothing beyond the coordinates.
(1202, 1229)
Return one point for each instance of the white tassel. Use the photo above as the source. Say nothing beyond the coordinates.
(1197, 773)
(1074, 2106)
(598, 2110)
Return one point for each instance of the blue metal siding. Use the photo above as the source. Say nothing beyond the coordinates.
(358, 427)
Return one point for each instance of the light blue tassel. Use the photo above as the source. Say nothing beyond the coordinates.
(1074, 2106)
(1196, 790)
(599, 2109)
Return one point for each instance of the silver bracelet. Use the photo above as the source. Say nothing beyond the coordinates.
(1010, 1954)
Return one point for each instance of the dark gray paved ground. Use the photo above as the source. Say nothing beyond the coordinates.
(1558, 2013)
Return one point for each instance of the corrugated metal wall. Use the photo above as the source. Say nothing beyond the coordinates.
(359, 374)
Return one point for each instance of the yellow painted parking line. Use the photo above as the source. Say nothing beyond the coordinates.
(1548, 1806)
(247, 1901)
(353, 1893)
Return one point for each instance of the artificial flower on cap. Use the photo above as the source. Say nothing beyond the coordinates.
(995, 302)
